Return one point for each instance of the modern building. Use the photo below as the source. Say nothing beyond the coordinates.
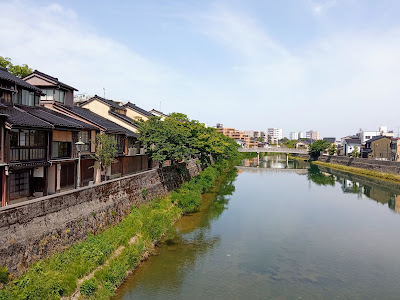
(275, 134)
(367, 135)
(294, 135)
(313, 135)
(301, 135)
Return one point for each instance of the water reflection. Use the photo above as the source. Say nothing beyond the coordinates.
(382, 192)
(175, 258)
(274, 162)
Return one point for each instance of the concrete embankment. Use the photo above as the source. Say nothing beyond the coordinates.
(386, 170)
(35, 229)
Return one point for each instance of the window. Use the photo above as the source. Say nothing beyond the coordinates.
(61, 149)
(49, 94)
(19, 184)
(28, 98)
(84, 137)
(59, 96)
(27, 144)
(24, 97)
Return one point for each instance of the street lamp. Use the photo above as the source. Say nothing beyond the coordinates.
(79, 146)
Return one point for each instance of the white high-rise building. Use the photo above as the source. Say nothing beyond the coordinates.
(301, 135)
(275, 134)
(294, 135)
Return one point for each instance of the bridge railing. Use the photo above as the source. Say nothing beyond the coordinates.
(275, 149)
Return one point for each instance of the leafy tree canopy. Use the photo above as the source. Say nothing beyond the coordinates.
(106, 150)
(17, 70)
(178, 138)
(332, 149)
(317, 147)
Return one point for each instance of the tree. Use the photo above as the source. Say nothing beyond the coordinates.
(106, 151)
(178, 138)
(332, 149)
(355, 152)
(317, 147)
(17, 70)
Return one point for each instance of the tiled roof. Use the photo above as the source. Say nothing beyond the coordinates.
(353, 141)
(108, 125)
(138, 109)
(158, 112)
(378, 138)
(54, 79)
(330, 139)
(109, 102)
(57, 119)
(5, 75)
(19, 117)
(123, 118)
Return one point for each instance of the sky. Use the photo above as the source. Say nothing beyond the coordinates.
(330, 65)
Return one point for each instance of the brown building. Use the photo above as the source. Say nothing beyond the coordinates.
(378, 148)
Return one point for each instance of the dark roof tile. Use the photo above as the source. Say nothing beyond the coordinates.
(109, 102)
(19, 117)
(54, 79)
(108, 125)
(139, 110)
(5, 75)
(56, 118)
(124, 118)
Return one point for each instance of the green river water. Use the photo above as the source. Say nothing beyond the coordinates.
(280, 231)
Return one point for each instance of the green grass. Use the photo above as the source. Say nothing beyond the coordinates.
(57, 276)
(359, 171)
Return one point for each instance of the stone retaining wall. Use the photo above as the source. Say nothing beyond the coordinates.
(34, 229)
(390, 167)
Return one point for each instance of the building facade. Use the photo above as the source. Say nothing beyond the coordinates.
(313, 135)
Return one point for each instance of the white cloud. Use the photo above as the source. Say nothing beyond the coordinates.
(336, 84)
(320, 8)
(54, 40)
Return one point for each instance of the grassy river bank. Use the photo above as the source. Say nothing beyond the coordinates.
(359, 171)
(93, 268)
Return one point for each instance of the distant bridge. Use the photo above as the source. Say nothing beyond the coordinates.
(275, 150)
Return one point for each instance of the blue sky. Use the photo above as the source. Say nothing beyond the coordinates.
(329, 65)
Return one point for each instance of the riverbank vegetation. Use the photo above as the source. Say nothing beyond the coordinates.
(133, 237)
(359, 171)
(93, 268)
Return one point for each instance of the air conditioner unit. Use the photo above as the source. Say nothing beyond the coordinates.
(142, 151)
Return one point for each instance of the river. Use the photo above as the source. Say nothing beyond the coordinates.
(273, 230)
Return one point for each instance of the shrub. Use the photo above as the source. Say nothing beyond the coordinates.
(3, 274)
(88, 287)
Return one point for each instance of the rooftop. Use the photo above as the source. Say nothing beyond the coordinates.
(109, 102)
(18, 117)
(52, 79)
(57, 119)
(108, 125)
(5, 75)
(138, 109)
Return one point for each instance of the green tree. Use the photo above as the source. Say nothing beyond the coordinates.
(178, 138)
(355, 152)
(106, 151)
(18, 70)
(332, 149)
(317, 147)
